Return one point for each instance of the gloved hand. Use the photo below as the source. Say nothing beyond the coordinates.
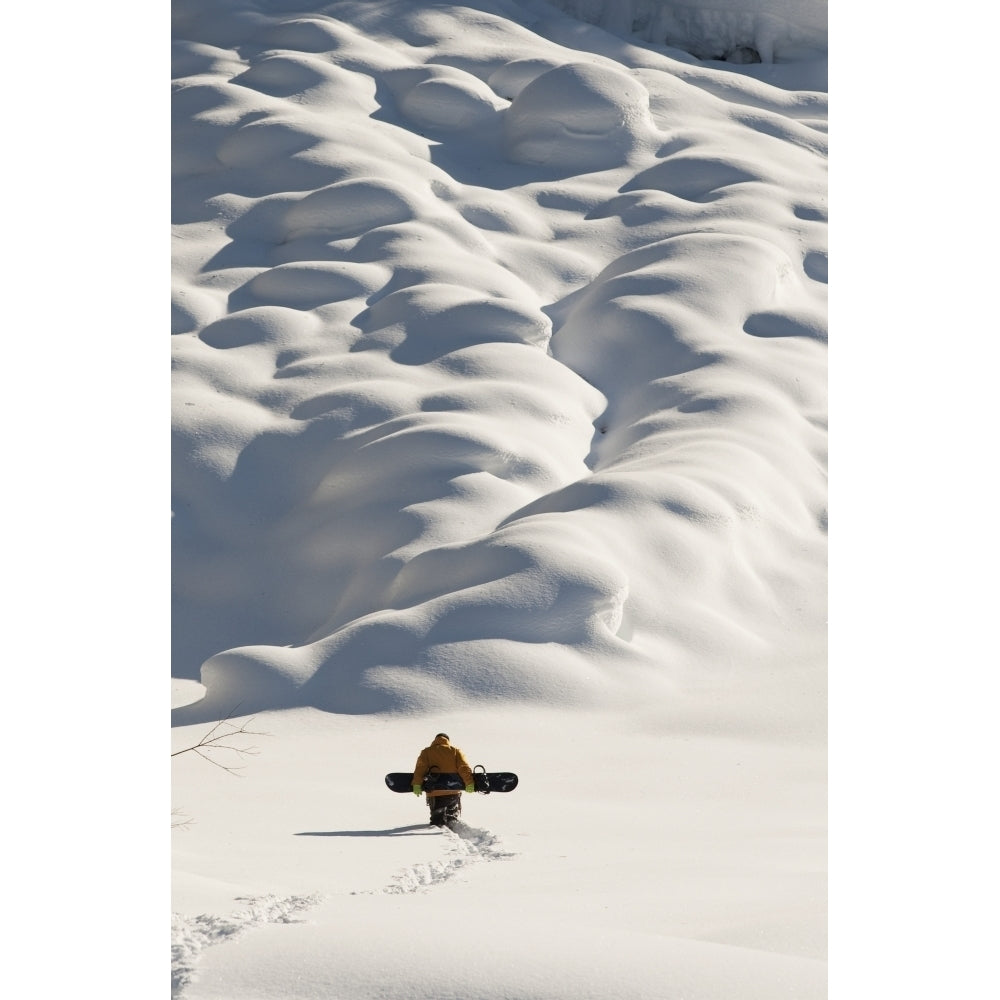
(470, 788)
(417, 790)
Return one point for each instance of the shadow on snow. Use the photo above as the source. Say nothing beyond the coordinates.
(399, 831)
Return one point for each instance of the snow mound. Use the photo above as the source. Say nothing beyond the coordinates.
(503, 382)
(577, 115)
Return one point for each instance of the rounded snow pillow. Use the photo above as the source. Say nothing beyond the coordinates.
(577, 115)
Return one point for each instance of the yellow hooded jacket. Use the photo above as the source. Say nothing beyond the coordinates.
(446, 758)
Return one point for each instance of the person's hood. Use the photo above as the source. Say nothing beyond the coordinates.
(440, 741)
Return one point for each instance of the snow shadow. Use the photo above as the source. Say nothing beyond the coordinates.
(399, 831)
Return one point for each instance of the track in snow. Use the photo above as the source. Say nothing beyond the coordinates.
(466, 845)
(189, 935)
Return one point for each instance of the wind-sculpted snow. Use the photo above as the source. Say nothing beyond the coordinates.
(577, 116)
(499, 369)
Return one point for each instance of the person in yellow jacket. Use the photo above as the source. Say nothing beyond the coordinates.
(442, 757)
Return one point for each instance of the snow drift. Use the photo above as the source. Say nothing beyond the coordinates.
(488, 393)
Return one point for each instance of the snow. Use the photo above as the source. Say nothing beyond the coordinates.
(305, 878)
(499, 408)
(700, 871)
(720, 29)
(691, 888)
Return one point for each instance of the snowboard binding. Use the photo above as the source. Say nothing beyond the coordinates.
(480, 779)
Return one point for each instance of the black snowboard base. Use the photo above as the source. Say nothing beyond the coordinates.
(485, 782)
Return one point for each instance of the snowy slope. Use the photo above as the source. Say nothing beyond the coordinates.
(499, 408)
(441, 433)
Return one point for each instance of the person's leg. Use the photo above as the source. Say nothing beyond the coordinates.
(437, 805)
(453, 808)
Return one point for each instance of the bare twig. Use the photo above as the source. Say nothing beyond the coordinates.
(217, 739)
(179, 820)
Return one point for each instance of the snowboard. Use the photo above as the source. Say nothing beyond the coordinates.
(485, 781)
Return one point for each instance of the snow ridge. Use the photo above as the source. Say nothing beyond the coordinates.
(466, 845)
(189, 935)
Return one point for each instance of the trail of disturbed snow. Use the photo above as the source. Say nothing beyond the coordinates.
(464, 846)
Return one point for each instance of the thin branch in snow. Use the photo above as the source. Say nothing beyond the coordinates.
(179, 820)
(219, 737)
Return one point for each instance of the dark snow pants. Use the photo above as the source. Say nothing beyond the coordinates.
(444, 808)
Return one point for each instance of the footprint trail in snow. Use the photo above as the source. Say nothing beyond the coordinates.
(190, 935)
(466, 845)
